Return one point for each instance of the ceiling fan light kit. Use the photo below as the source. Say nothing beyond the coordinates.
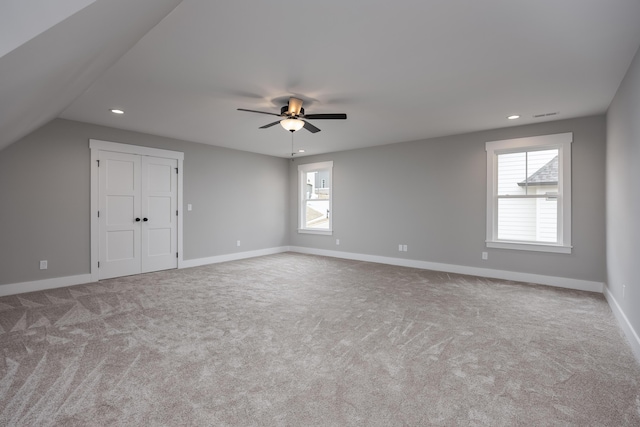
(293, 114)
(292, 125)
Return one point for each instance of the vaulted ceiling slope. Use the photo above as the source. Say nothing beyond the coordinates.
(20, 21)
(52, 58)
(403, 70)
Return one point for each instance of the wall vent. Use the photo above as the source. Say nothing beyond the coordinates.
(537, 116)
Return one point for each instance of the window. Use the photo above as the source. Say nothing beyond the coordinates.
(314, 181)
(529, 193)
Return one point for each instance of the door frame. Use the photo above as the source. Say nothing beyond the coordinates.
(96, 146)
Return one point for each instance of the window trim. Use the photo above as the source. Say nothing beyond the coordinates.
(302, 171)
(562, 142)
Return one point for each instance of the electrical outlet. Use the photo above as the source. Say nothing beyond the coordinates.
(404, 248)
(43, 265)
(338, 242)
(189, 206)
(238, 243)
(400, 247)
(485, 255)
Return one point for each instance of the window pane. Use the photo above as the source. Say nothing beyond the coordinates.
(542, 170)
(547, 220)
(512, 169)
(317, 214)
(310, 179)
(317, 185)
(531, 220)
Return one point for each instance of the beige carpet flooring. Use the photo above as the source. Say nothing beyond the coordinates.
(298, 340)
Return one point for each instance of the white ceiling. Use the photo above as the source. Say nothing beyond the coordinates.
(403, 70)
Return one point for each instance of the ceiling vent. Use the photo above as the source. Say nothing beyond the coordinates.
(537, 116)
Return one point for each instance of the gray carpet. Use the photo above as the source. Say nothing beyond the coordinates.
(297, 340)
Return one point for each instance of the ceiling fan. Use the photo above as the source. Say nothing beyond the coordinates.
(292, 116)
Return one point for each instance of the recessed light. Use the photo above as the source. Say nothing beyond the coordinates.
(301, 151)
(513, 117)
(116, 111)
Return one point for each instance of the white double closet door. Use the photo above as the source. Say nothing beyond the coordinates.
(138, 206)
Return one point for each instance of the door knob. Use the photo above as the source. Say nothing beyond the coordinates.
(137, 219)
(145, 219)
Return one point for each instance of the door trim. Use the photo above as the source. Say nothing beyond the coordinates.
(96, 146)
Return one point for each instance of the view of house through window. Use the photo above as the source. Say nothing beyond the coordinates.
(317, 201)
(315, 197)
(529, 193)
(528, 196)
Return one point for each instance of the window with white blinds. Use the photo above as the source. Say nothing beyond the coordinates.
(529, 193)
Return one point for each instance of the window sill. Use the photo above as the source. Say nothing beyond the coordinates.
(310, 231)
(536, 247)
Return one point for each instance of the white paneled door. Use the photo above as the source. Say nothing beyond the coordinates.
(138, 206)
(159, 214)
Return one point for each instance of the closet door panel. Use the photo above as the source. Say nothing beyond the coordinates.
(159, 208)
(119, 206)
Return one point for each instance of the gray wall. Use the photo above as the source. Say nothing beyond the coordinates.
(427, 194)
(623, 194)
(430, 195)
(45, 199)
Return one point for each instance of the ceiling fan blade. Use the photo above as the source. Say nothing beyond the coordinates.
(269, 125)
(295, 105)
(334, 116)
(311, 128)
(261, 112)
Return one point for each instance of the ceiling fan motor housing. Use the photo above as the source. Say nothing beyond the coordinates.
(284, 111)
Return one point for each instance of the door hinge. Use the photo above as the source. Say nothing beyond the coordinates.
(176, 170)
(98, 214)
(98, 264)
(98, 162)
(176, 254)
(176, 212)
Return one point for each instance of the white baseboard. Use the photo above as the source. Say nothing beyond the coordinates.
(41, 285)
(60, 282)
(629, 332)
(583, 285)
(560, 282)
(232, 257)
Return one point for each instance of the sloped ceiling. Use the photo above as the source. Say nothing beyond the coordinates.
(402, 70)
(20, 21)
(50, 68)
